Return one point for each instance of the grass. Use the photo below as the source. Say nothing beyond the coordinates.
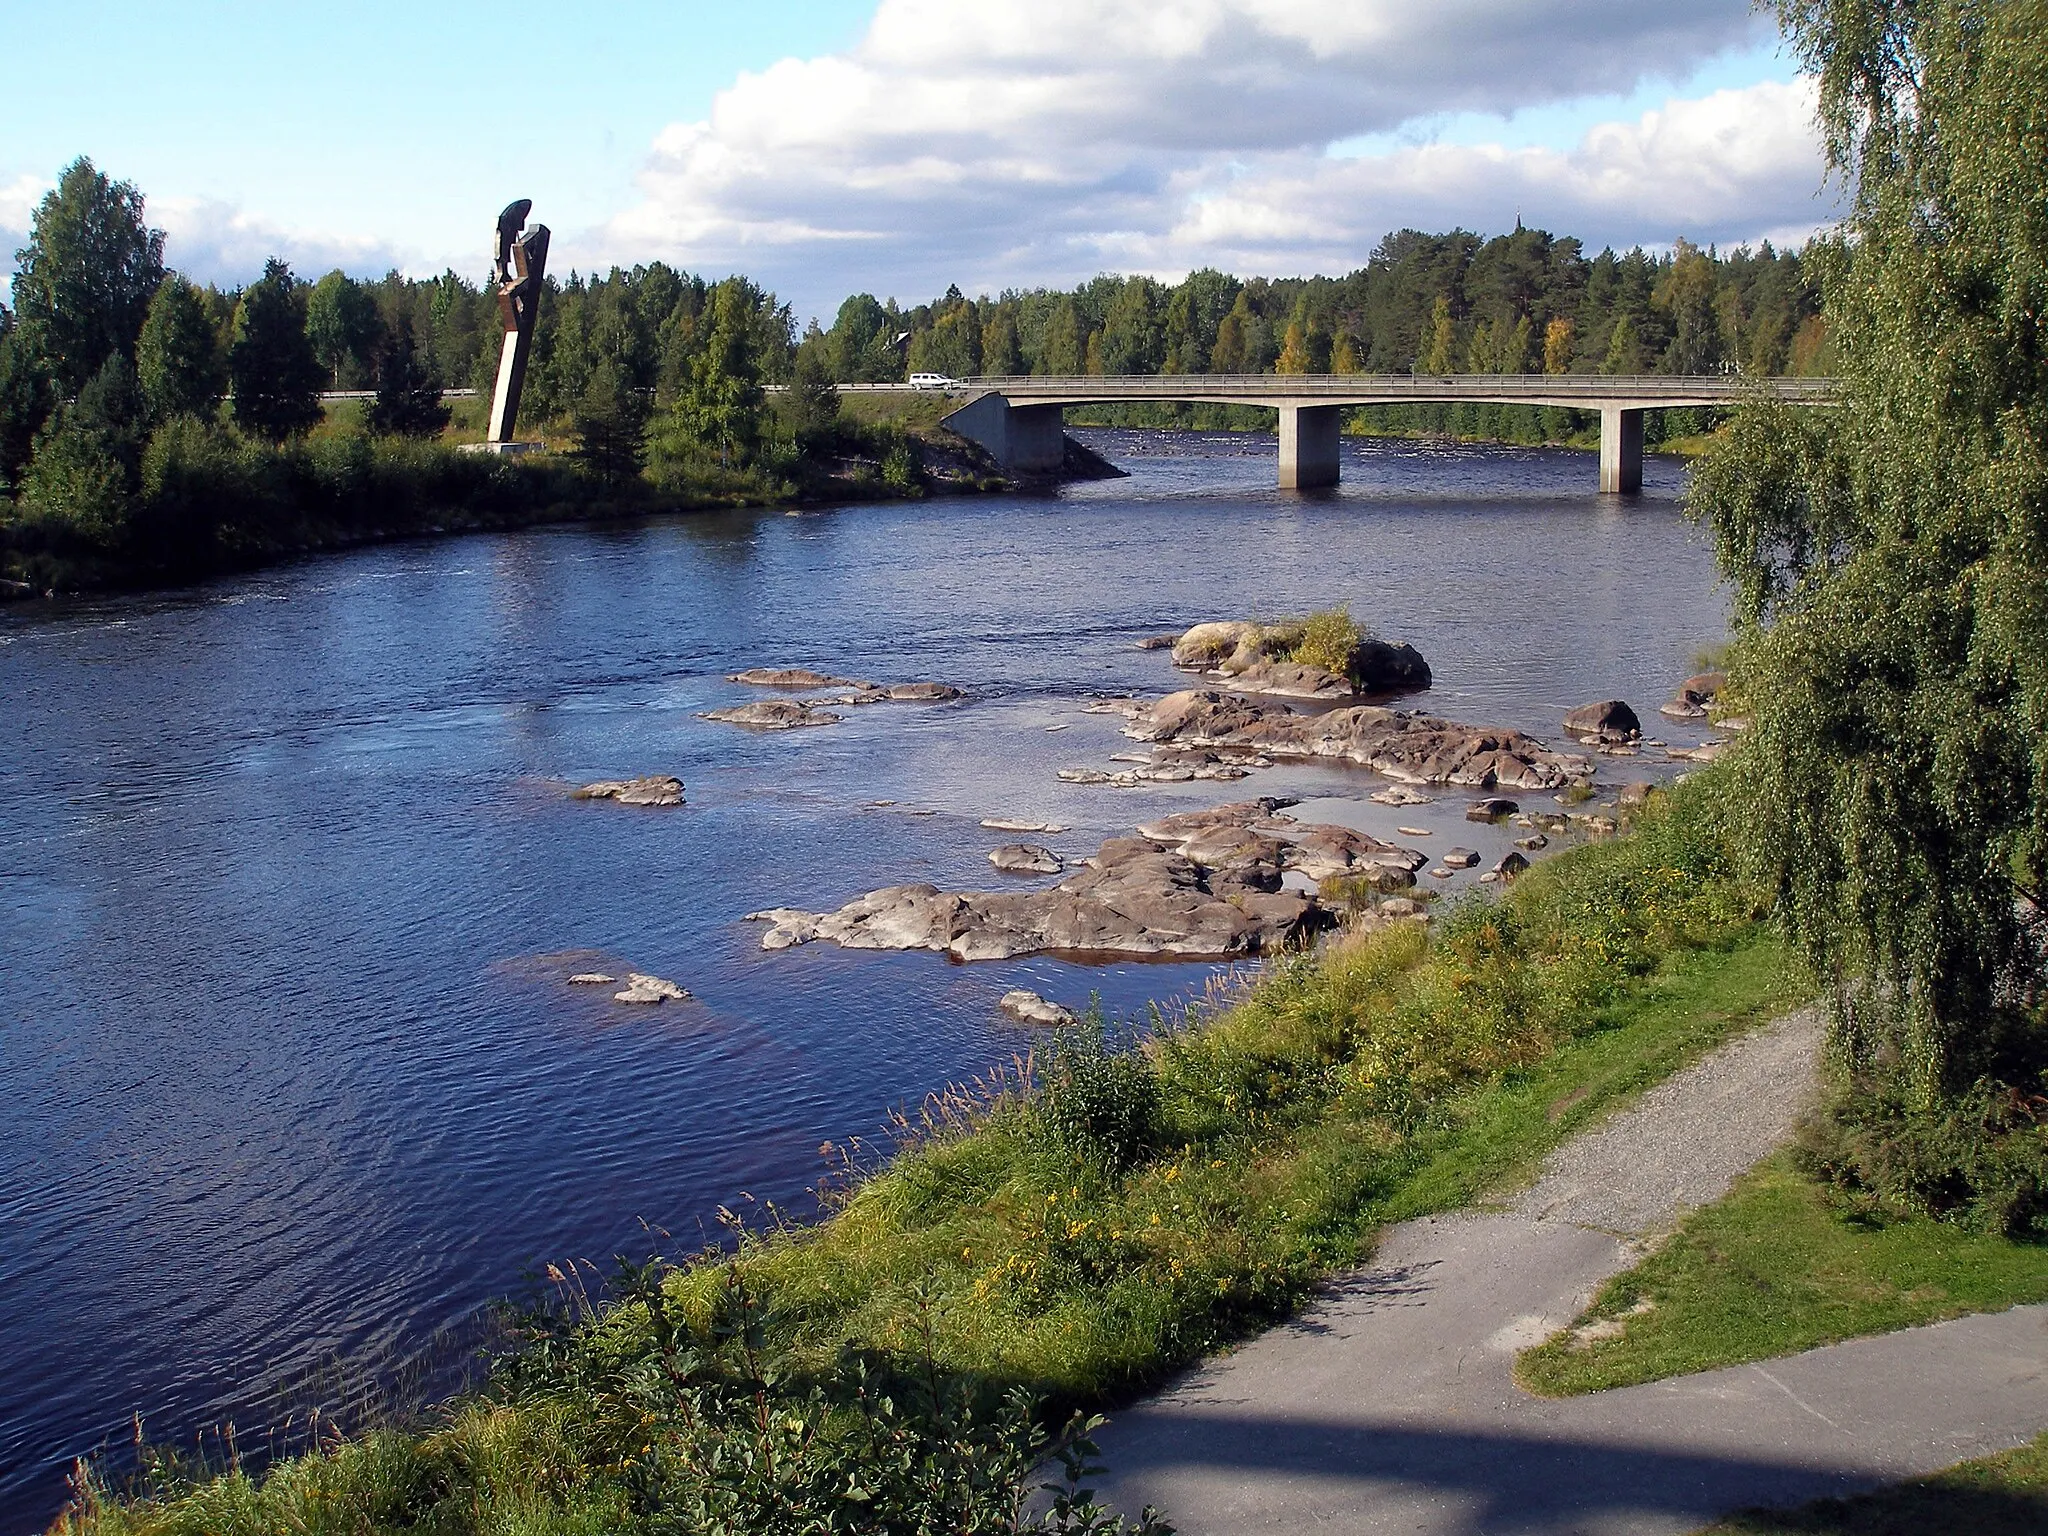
(1070, 1241)
(2003, 1495)
(1775, 1267)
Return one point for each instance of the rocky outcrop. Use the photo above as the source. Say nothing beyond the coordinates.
(642, 988)
(1412, 747)
(1026, 859)
(1610, 721)
(658, 789)
(791, 678)
(772, 715)
(1694, 696)
(1202, 885)
(1254, 658)
(1029, 1008)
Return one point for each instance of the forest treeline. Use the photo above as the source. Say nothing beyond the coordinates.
(153, 428)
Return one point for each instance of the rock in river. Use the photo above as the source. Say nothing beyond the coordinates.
(1491, 809)
(771, 715)
(1610, 721)
(1413, 747)
(642, 988)
(1026, 859)
(1029, 1008)
(788, 677)
(656, 789)
(1202, 885)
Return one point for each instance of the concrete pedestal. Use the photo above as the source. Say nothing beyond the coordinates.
(1621, 451)
(1308, 445)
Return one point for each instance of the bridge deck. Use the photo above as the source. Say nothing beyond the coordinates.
(1572, 391)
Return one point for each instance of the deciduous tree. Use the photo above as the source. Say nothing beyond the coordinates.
(177, 358)
(85, 279)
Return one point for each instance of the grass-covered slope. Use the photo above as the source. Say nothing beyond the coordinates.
(1036, 1249)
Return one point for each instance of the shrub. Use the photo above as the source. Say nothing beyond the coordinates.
(1329, 640)
(1098, 1101)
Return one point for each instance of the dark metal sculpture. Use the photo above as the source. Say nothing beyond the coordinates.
(519, 262)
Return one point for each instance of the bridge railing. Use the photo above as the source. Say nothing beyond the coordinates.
(1593, 388)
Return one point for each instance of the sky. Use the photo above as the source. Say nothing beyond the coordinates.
(827, 147)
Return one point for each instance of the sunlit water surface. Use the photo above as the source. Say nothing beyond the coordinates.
(288, 1081)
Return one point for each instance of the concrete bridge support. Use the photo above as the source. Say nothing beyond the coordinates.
(1308, 445)
(1621, 451)
(1024, 439)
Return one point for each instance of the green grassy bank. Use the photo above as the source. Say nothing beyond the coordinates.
(1777, 1266)
(1036, 1248)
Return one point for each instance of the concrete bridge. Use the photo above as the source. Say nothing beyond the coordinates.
(1020, 421)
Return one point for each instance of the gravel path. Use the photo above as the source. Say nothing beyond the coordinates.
(1389, 1405)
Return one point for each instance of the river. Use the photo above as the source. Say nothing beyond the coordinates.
(291, 1092)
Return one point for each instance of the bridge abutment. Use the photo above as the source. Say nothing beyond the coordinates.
(1621, 450)
(1309, 435)
(1024, 439)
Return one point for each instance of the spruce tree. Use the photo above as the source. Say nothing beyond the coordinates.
(275, 375)
(408, 402)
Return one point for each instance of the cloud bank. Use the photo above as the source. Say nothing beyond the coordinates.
(1025, 141)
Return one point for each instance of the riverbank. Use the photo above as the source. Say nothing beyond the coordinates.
(1136, 1204)
(209, 502)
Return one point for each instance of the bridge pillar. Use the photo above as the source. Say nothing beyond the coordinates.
(1621, 451)
(1024, 439)
(1308, 445)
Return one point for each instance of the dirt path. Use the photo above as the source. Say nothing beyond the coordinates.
(1389, 1406)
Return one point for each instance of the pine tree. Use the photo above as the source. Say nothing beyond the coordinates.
(610, 423)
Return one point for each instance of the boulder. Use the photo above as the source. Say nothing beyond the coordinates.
(1412, 747)
(922, 693)
(1461, 858)
(1011, 824)
(1158, 642)
(1511, 865)
(1682, 709)
(1609, 721)
(591, 979)
(1029, 1008)
(659, 789)
(772, 715)
(1491, 809)
(1388, 666)
(1704, 687)
(1636, 794)
(788, 677)
(1534, 842)
(1215, 645)
(1026, 859)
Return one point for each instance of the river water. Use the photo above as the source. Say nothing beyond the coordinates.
(292, 1084)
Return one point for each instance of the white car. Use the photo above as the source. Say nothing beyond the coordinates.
(932, 381)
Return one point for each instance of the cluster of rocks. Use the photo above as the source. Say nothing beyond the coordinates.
(1411, 747)
(1254, 658)
(640, 987)
(795, 714)
(1201, 885)
(1695, 696)
(655, 789)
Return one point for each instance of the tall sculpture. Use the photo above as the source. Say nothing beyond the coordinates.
(519, 262)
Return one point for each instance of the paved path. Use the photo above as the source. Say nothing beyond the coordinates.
(1388, 1406)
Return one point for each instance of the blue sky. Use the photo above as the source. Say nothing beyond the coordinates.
(896, 145)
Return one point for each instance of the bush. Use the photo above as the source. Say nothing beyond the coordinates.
(1329, 640)
(1098, 1101)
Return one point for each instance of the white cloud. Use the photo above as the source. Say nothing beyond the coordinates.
(1024, 141)
(212, 241)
